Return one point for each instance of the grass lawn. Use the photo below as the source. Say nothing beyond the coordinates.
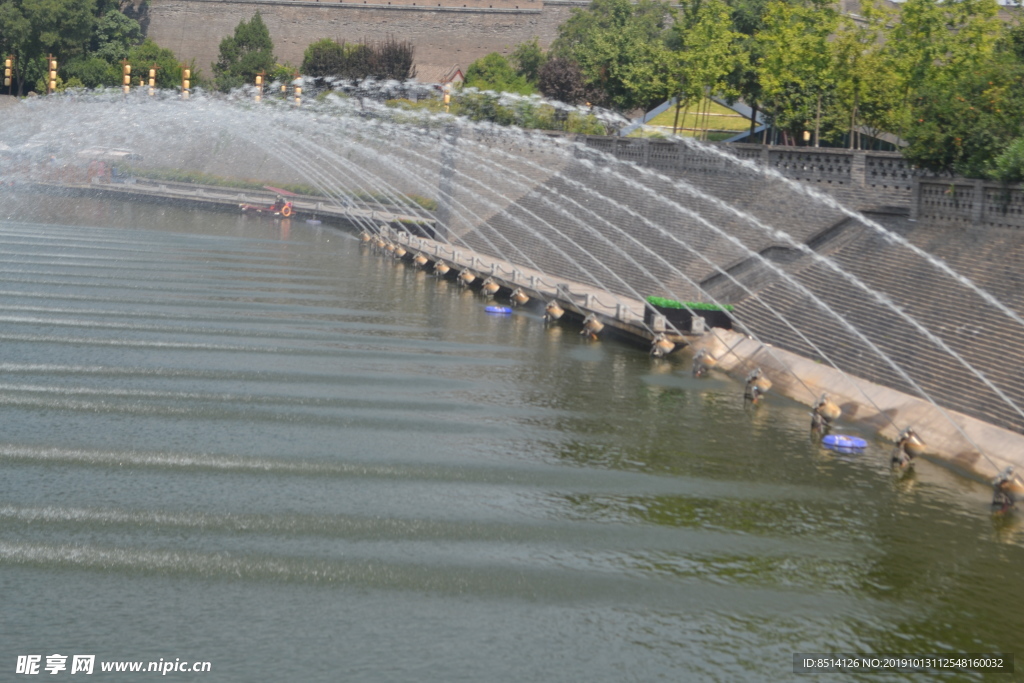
(720, 119)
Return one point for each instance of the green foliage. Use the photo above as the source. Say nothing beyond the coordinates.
(114, 36)
(33, 29)
(794, 68)
(962, 124)
(88, 38)
(705, 51)
(561, 79)
(323, 58)
(1009, 166)
(493, 72)
(620, 49)
(692, 305)
(527, 59)
(93, 72)
(248, 52)
(148, 55)
(524, 113)
(387, 59)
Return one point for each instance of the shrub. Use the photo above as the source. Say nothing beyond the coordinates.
(1009, 166)
(692, 305)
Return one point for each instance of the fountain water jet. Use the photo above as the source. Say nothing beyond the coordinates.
(499, 251)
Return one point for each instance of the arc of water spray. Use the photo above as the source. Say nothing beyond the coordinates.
(679, 272)
(849, 277)
(526, 227)
(903, 374)
(880, 229)
(803, 290)
(497, 250)
(688, 279)
(560, 208)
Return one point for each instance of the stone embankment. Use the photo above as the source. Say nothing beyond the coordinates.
(800, 268)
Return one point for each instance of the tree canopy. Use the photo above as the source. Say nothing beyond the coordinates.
(387, 59)
(88, 38)
(493, 72)
(242, 55)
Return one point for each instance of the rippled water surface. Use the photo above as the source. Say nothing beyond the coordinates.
(261, 446)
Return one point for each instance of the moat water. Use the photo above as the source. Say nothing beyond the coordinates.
(259, 445)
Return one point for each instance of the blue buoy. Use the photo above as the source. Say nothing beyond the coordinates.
(844, 443)
(498, 310)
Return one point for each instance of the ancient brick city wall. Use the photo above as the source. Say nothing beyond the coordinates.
(452, 32)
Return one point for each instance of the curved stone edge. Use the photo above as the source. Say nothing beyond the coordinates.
(999, 448)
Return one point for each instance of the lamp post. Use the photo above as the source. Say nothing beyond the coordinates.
(152, 79)
(259, 85)
(126, 69)
(186, 74)
(51, 83)
(9, 74)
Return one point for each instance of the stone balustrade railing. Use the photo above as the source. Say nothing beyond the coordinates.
(860, 179)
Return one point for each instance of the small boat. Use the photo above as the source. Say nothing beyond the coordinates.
(498, 310)
(844, 443)
(281, 206)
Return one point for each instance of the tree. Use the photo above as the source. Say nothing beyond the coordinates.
(93, 72)
(561, 79)
(115, 34)
(387, 59)
(148, 55)
(323, 58)
(393, 59)
(938, 41)
(527, 60)
(794, 68)
(33, 29)
(866, 88)
(963, 123)
(248, 52)
(706, 53)
(1009, 166)
(620, 49)
(493, 72)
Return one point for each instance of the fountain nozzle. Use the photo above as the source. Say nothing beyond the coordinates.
(702, 362)
(490, 287)
(592, 326)
(661, 346)
(908, 447)
(1004, 498)
(825, 412)
(553, 311)
(757, 386)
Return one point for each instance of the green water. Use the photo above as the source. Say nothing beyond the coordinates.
(261, 446)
